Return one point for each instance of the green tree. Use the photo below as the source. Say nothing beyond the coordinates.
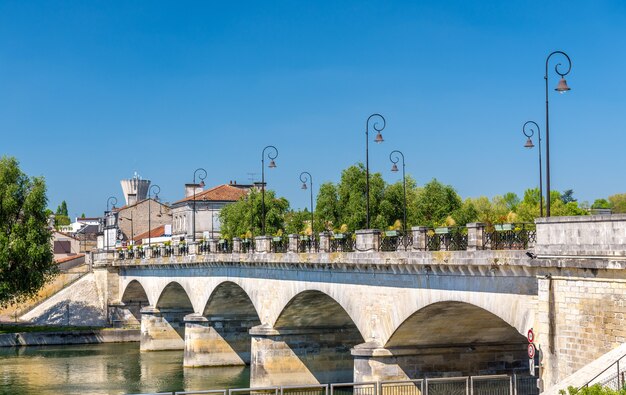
(351, 193)
(297, 222)
(595, 389)
(243, 218)
(391, 207)
(601, 203)
(568, 196)
(435, 202)
(327, 207)
(61, 216)
(618, 202)
(26, 260)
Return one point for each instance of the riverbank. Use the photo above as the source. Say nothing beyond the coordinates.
(47, 336)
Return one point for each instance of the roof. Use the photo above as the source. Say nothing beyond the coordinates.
(126, 206)
(155, 232)
(220, 193)
(64, 234)
(68, 258)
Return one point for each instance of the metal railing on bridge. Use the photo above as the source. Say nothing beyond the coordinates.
(466, 385)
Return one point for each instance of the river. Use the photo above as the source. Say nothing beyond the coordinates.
(114, 368)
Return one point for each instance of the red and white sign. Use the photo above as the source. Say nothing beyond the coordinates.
(531, 351)
(531, 335)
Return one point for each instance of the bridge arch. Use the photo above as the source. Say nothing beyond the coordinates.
(229, 299)
(133, 299)
(174, 297)
(470, 339)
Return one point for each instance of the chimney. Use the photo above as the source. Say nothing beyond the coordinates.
(189, 188)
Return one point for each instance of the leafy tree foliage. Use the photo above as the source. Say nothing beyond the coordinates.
(62, 209)
(26, 260)
(243, 218)
(435, 203)
(601, 203)
(618, 202)
(596, 389)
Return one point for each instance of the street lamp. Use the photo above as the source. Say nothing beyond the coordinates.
(111, 200)
(304, 177)
(202, 176)
(529, 144)
(156, 197)
(378, 139)
(271, 155)
(394, 168)
(561, 88)
(132, 232)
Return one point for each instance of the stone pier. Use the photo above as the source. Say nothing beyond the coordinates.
(301, 356)
(162, 329)
(217, 341)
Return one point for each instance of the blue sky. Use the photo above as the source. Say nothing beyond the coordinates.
(91, 92)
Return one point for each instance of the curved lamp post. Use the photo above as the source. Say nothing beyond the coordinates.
(378, 139)
(202, 176)
(304, 177)
(561, 88)
(156, 196)
(529, 144)
(111, 200)
(271, 155)
(394, 168)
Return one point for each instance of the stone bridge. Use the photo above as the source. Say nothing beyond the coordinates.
(370, 315)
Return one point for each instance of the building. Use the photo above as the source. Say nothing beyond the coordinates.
(121, 225)
(208, 204)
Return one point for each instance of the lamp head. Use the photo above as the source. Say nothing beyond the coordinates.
(379, 138)
(529, 143)
(562, 86)
(202, 184)
(394, 168)
(304, 185)
(272, 164)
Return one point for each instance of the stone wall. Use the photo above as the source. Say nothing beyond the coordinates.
(591, 235)
(160, 215)
(579, 320)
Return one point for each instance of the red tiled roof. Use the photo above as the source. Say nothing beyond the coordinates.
(68, 258)
(156, 232)
(222, 193)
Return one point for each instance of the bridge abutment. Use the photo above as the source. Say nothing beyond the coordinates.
(300, 356)
(217, 341)
(162, 329)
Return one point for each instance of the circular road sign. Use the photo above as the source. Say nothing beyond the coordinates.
(531, 335)
(531, 351)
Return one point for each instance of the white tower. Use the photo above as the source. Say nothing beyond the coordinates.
(135, 189)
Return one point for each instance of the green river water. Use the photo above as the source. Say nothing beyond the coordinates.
(114, 368)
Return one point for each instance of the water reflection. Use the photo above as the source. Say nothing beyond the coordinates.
(107, 369)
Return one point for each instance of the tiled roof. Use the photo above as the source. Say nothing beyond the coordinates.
(68, 258)
(221, 193)
(156, 232)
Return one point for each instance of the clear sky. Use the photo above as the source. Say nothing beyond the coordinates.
(91, 92)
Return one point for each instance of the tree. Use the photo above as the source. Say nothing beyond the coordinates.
(435, 203)
(61, 217)
(618, 202)
(568, 196)
(601, 203)
(244, 217)
(327, 207)
(26, 259)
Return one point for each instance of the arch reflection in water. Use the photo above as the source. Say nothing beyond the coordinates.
(106, 369)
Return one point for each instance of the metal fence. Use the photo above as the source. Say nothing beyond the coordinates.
(466, 385)
(613, 377)
(510, 236)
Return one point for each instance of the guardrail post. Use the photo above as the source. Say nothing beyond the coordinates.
(475, 238)
(325, 241)
(193, 248)
(236, 244)
(368, 240)
(419, 237)
(294, 239)
(262, 243)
